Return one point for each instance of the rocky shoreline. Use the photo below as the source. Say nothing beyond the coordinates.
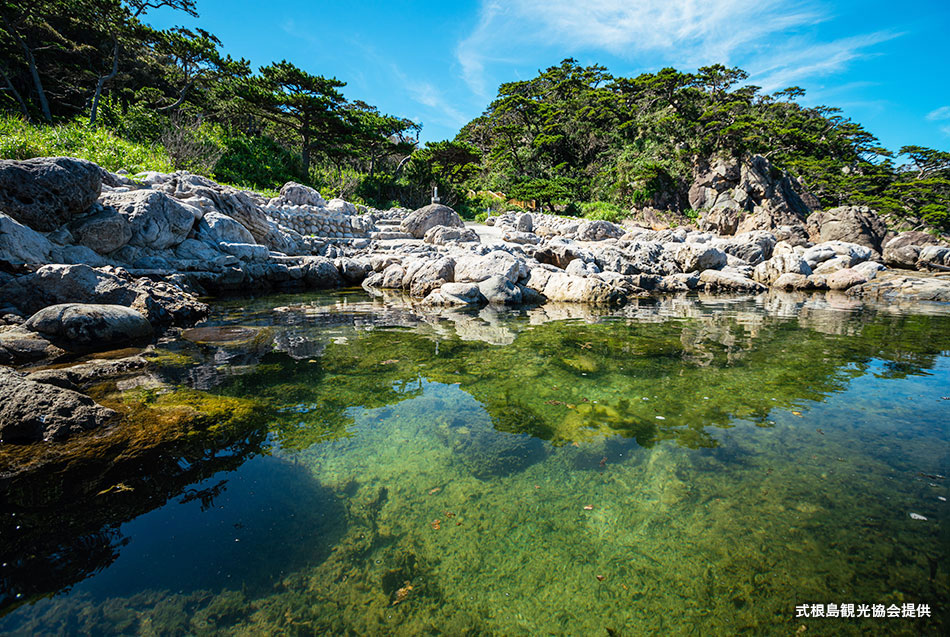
(94, 261)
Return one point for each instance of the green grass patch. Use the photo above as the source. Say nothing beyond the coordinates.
(22, 140)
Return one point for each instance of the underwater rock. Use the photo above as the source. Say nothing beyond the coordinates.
(488, 453)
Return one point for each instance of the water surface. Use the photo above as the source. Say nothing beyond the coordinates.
(686, 466)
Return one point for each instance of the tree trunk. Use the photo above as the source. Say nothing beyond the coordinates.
(44, 104)
(305, 156)
(16, 94)
(102, 81)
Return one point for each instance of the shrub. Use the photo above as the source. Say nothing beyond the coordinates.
(603, 210)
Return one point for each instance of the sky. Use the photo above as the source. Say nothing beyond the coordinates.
(440, 63)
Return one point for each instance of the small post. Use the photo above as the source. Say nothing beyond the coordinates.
(435, 194)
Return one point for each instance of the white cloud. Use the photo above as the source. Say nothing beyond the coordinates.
(764, 36)
(941, 113)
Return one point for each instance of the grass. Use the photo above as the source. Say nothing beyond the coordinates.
(21, 140)
(603, 210)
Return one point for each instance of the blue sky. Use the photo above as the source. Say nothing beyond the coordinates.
(439, 63)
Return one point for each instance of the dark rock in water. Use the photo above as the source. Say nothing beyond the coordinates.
(487, 452)
(219, 334)
(46, 192)
(31, 411)
(86, 325)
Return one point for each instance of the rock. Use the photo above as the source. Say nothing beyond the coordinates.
(750, 185)
(714, 280)
(422, 276)
(33, 412)
(393, 276)
(579, 267)
(851, 224)
(22, 244)
(442, 235)
(768, 272)
(342, 207)
(722, 221)
(903, 250)
(696, 257)
(46, 192)
(751, 247)
(525, 223)
(81, 254)
(420, 221)
(869, 269)
(834, 264)
(498, 290)
(104, 231)
(83, 325)
(523, 238)
(246, 251)
(192, 249)
(353, 271)
(294, 194)
(556, 254)
(599, 230)
(157, 221)
(455, 295)
(894, 287)
(473, 269)
(20, 345)
(161, 303)
(224, 228)
(844, 279)
(556, 285)
(795, 235)
(792, 281)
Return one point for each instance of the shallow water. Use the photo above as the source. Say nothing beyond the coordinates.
(688, 466)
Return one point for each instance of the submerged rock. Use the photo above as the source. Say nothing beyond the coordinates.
(488, 453)
(32, 411)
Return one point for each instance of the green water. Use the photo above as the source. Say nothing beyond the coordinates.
(686, 467)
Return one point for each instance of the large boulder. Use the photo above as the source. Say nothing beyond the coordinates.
(852, 224)
(720, 280)
(473, 269)
(34, 412)
(22, 244)
(696, 257)
(157, 220)
(85, 325)
(420, 221)
(599, 230)
(294, 194)
(498, 290)
(768, 272)
(46, 192)
(223, 228)
(104, 231)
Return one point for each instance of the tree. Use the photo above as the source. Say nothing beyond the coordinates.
(308, 106)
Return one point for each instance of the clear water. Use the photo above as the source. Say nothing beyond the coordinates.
(684, 467)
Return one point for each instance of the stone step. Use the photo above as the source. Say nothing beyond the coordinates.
(388, 222)
(381, 236)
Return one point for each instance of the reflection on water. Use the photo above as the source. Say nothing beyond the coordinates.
(685, 466)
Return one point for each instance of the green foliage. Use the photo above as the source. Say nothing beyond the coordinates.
(604, 211)
(255, 161)
(20, 140)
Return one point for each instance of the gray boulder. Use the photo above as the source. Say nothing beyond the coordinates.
(224, 228)
(420, 221)
(768, 272)
(342, 207)
(844, 279)
(246, 251)
(473, 269)
(157, 221)
(295, 194)
(84, 325)
(599, 230)
(46, 192)
(22, 244)
(720, 280)
(498, 290)
(903, 251)
(852, 224)
(443, 235)
(82, 254)
(455, 295)
(104, 231)
(33, 412)
(696, 257)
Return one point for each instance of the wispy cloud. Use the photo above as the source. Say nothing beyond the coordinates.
(938, 114)
(684, 33)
